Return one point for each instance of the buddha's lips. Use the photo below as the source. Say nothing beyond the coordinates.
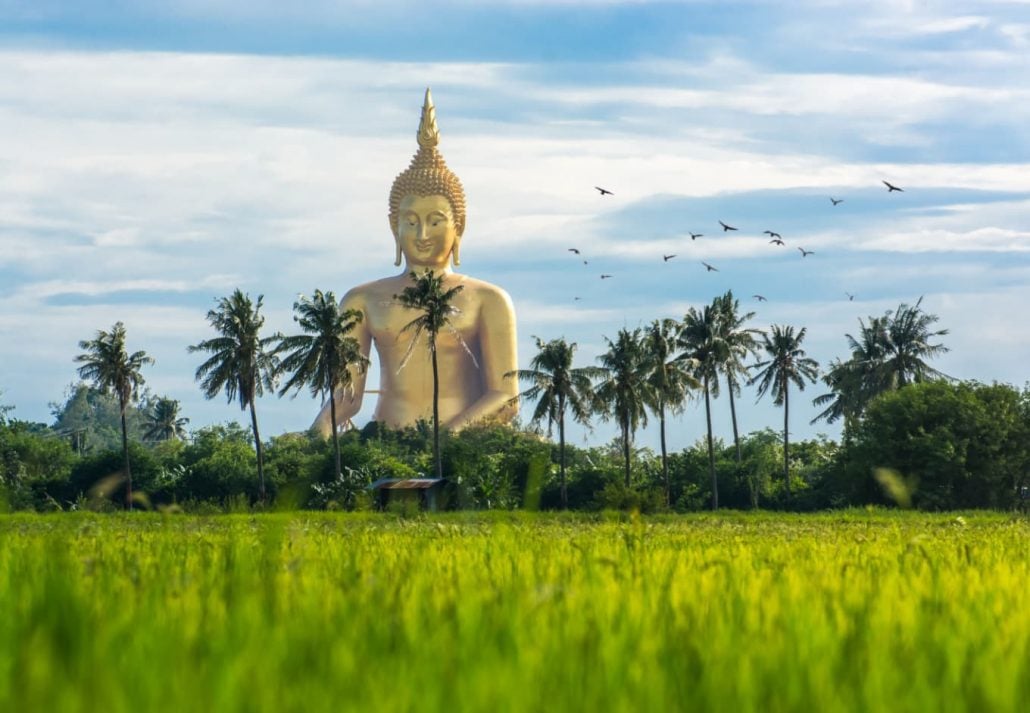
(423, 245)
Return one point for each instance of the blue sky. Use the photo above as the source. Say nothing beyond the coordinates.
(158, 155)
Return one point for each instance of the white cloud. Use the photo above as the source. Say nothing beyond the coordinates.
(953, 24)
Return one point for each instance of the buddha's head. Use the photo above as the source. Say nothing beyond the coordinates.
(427, 202)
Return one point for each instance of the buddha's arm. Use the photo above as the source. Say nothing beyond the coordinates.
(348, 401)
(498, 356)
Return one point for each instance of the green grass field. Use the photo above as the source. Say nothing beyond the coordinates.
(309, 612)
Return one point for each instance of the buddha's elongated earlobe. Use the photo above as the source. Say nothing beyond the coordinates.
(397, 259)
(456, 253)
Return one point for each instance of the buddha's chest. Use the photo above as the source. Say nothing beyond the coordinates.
(392, 324)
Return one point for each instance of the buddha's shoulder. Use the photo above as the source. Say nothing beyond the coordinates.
(484, 290)
(375, 290)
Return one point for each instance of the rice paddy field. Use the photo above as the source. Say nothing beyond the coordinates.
(855, 611)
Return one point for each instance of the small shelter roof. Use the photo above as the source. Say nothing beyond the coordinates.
(405, 483)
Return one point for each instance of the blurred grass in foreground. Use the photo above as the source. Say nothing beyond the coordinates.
(850, 611)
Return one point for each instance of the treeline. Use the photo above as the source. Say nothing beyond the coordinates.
(912, 435)
(932, 445)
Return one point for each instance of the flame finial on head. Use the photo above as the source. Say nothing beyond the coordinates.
(428, 131)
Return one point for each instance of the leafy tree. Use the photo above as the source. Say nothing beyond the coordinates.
(702, 344)
(91, 475)
(90, 419)
(111, 368)
(668, 379)
(218, 465)
(953, 445)
(241, 361)
(622, 392)
(4, 410)
(763, 452)
(298, 460)
(164, 422)
(324, 357)
(31, 451)
(740, 343)
(435, 304)
(787, 363)
(557, 387)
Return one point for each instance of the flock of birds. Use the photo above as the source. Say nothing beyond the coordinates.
(775, 239)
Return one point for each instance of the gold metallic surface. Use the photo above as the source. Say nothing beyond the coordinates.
(427, 216)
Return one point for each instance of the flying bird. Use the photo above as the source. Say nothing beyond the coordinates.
(777, 241)
(666, 258)
(806, 253)
(574, 250)
(586, 262)
(605, 277)
(726, 227)
(891, 187)
(695, 236)
(760, 298)
(576, 298)
(772, 234)
(851, 297)
(604, 191)
(710, 268)
(835, 201)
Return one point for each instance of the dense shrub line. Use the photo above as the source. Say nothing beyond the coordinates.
(948, 446)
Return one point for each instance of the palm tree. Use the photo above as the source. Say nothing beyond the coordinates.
(787, 363)
(908, 344)
(853, 383)
(842, 401)
(557, 388)
(164, 422)
(668, 379)
(702, 344)
(429, 297)
(323, 357)
(112, 369)
(623, 390)
(240, 363)
(888, 353)
(740, 343)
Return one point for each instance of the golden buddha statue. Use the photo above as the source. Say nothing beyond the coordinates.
(427, 217)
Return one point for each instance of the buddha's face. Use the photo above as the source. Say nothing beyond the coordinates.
(426, 233)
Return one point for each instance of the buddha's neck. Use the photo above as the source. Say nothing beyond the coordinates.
(444, 269)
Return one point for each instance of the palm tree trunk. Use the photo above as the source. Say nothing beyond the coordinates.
(665, 454)
(786, 441)
(257, 447)
(711, 449)
(625, 449)
(436, 415)
(125, 455)
(561, 452)
(733, 415)
(336, 435)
